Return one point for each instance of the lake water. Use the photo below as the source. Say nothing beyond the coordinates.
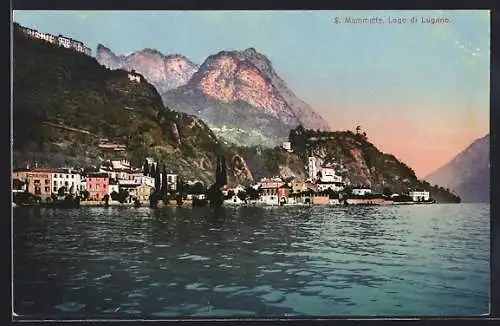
(264, 262)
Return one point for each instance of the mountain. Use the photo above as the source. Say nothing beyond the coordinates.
(355, 158)
(164, 72)
(237, 93)
(468, 173)
(66, 105)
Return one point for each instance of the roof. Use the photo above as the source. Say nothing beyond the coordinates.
(21, 170)
(97, 175)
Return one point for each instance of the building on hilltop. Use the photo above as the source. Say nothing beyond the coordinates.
(60, 40)
(133, 76)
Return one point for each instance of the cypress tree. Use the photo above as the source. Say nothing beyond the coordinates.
(223, 171)
(164, 185)
(145, 168)
(157, 179)
(152, 171)
(217, 172)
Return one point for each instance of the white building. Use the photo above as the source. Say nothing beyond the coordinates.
(121, 164)
(312, 169)
(134, 77)
(287, 146)
(71, 180)
(329, 175)
(361, 191)
(271, 200)
(142, 179)
(64, 41)
(113, 187)
(171, 181)
(419, 195)
(335, 186)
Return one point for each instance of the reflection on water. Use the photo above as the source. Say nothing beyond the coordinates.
(251, 261)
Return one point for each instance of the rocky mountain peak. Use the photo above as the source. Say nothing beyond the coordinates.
(165, 72)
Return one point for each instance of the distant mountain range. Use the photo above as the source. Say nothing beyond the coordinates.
(468, 174)
(237, 93)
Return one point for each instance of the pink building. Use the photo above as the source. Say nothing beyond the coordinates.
(97, 185)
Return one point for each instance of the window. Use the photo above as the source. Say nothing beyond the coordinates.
(47, 181)
(38, 191)
(37, 181)
(55, 183)
(47, 189)
(66, 183)
(55, 189)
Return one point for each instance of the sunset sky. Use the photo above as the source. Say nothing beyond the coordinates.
(420, 91)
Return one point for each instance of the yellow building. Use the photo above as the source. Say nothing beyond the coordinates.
(299, 186)
(143, 192)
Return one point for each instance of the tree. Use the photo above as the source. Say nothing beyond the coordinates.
(152, 171)
(114, 195)
(252, 193)
(157, 180)
(164, 183)
(242, 195)
(105, 199)
(198, 188)
(86, 195)
(145, 168)
(61, 191)
(122, 196)
(215, 196)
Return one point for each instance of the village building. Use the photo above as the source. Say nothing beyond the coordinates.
(320, 199)
(361, 191)
(120, 164)
(419, 195)
(335, 186)
(133, 76)
(39, 181)
(312, 168)
(172, 181)
(97, 185)
(143, 193)
(59, 40)
(287, 146)
(113, 187)
(21, 174)
(70, 180)
(283, 193)
(141, 179)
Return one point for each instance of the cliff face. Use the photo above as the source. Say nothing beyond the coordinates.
(468, 173)
(238, 93)
(66, 103)
(164, 72)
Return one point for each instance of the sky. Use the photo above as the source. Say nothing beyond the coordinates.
(419, 91)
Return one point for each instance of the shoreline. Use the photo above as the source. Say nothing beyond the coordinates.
(185, 204)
